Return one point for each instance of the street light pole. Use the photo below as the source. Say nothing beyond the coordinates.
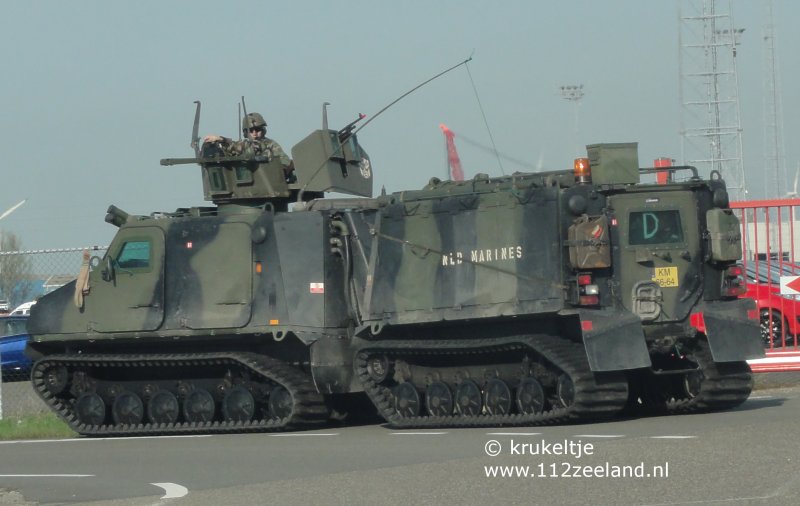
(5, 214)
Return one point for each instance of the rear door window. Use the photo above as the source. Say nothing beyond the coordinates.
(655, 227)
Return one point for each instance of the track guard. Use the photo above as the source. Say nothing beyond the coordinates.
(614, 340)
(732, 329)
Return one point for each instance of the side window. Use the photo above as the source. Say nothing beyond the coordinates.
(244, 175)
(134, 254)
(216, 179)
(335, 145)
(655, 227)
(353, 149)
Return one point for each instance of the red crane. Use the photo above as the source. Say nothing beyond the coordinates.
(453, 161)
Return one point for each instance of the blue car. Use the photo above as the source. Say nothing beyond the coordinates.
(14, 365)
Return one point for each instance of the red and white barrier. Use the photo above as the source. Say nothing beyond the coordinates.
(777, 361)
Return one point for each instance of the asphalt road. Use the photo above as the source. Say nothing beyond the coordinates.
(750, 455)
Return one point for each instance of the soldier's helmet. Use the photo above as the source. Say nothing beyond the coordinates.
(253, 120)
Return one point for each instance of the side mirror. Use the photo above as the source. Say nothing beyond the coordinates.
(108, 269)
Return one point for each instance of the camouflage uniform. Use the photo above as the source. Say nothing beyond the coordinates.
(264, 146)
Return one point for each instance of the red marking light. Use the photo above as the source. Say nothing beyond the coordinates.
(734, 271)
(586, 325)
(584, 279)
(589, 300)
(698, 322)
(752, 314)
(733, 284)
(735, 291)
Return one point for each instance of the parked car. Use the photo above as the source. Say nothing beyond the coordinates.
(23, 309)
(4, 306)
(779, 314)
(14, 364)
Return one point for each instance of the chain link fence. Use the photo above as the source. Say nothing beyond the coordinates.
(24, 277)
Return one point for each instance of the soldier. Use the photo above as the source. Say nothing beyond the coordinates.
(255, 130)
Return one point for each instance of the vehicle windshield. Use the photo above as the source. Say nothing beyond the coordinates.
(13, 327)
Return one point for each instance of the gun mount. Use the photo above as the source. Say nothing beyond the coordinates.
(324, 161)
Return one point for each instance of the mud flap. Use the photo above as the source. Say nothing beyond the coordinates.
(332, 366)
(614, 340)
(732, 335)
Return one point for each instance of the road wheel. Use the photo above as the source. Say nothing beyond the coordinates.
(163, 407)
(198, 406)
(439, 399)
(128, 409)
(497, 397)
(530, 396)
(406, 400)
(772, 330)
(238, 405)
(90, 409)
(280, 403)
(468, 398)
(565, 390)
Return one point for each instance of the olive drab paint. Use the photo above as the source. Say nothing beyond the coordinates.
(511, 292)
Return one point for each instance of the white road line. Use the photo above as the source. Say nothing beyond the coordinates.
(673, 437)
(513, 433)
(609, 436)
(417, 433)
(87, 439)
(122, 438)
(27, 441)
(760, 397)
(305, 435)
(173, 490)
(47, 475)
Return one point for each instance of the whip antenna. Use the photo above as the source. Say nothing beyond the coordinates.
(485, 122)
(412, 90)
(401, 97)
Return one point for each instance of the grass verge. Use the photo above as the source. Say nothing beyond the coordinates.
(44, 426)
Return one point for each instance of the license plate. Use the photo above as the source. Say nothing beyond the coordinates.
(666, 276)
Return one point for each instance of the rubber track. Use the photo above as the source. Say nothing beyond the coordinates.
(596, 396)
(309, 406)
(726, 385)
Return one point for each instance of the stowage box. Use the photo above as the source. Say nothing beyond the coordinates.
(614, 163)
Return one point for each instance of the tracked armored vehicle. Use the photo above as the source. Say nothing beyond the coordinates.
(520, 300)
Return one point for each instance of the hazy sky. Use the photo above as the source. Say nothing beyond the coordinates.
(95, 93)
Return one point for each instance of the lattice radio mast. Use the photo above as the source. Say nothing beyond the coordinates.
(711, 131)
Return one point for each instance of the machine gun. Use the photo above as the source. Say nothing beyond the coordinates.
(347, 131)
